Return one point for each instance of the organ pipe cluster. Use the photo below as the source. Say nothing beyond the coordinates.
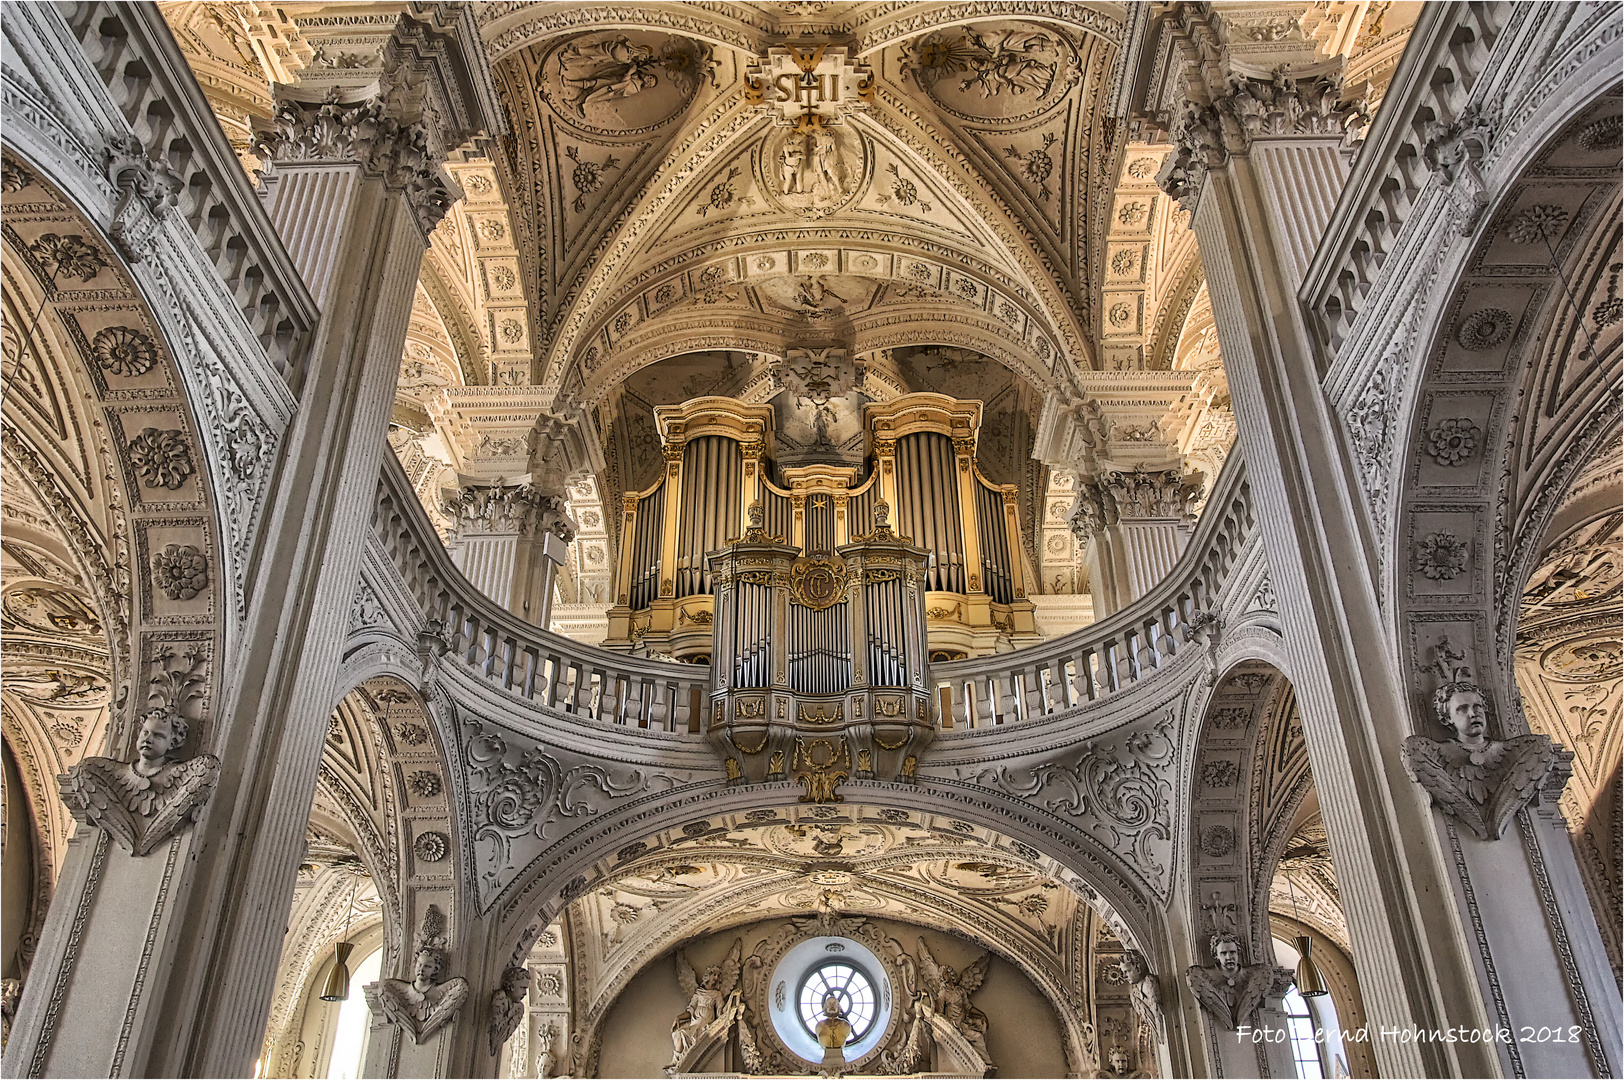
(820, 593)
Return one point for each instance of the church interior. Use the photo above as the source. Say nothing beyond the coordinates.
(1037, 538)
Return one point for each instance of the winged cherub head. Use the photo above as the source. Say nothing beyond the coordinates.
(1226, 953)
(516, 983)
(713, 977)
(430, 968)
(163, 733)
(1133, 966)
(1461, 706)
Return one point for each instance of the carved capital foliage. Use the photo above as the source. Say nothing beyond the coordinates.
(1138, 495)
(497, 509)
(1454, 151)
(148, 190)
(362, 132)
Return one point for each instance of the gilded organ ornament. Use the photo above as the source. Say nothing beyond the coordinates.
(818, 581)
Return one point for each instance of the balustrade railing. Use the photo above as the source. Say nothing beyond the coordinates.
(518, 657)
(1097, 662)
(1418, 129)
(1113, 656)
(133, 52)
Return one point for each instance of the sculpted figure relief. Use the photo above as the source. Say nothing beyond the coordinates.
(707, 995)
(1144, 991)
(950, 991)
(423, 1005)
(507, 1004)
(144, 802)
(1230, 991)
(1479, 781)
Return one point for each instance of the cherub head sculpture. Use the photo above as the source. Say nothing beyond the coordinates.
(1226, 953)
(713, 977)
(429, 969)
(1134, 967)
(163, 733)
(831, 1005)
(516, 982)
(1461, 706)
(1118, 1060)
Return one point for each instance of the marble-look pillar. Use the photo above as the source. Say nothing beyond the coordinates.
(189, 935)
(1258, 162)
(509, 541)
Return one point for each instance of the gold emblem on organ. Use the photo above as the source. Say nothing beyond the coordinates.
(817, 581)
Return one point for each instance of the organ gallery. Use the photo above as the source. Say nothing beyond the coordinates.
(807, 538)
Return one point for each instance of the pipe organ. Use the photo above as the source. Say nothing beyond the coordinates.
(820, 592)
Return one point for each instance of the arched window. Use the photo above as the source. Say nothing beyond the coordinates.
(847, 982)
(1304, 1047)
(350, 1034)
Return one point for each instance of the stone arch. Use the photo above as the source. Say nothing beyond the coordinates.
(582, 859)
(1515, 393)
(118, 590)
(747, 897)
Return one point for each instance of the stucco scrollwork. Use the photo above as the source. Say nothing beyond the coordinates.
(1121, 789)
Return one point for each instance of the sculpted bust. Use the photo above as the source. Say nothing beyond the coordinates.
(1230, 991)
(834, 1032)
(1479, 781)
(423, 1005)
(1144, 991)
(507, 1004)
(144, 802)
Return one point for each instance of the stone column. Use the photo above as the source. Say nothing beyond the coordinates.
(509, 541)
(354, 184)
(1135, 524)
(1258, 163)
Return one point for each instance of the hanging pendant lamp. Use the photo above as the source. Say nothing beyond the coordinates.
(338, 979)
(1310, 983)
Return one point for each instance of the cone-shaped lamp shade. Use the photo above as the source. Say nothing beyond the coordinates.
(338, 980)
(1310, 983)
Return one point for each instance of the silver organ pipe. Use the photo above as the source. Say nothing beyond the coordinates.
(993, 533)
(820, 524)
(647, 536)
(712, 478)
(887, 664)
(780, 513)
(820, 649)
(928, 506)
(752, 632)
(860, 508)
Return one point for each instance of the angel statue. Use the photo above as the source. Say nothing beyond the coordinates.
(1232, 993)
(423, 1005)
(1145, 992)
(144, 802)
(1479, 781)
(507, 1004)
(706, 997)
(950, 992)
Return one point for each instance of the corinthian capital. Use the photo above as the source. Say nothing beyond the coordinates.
(363, 132)
(505, 509)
